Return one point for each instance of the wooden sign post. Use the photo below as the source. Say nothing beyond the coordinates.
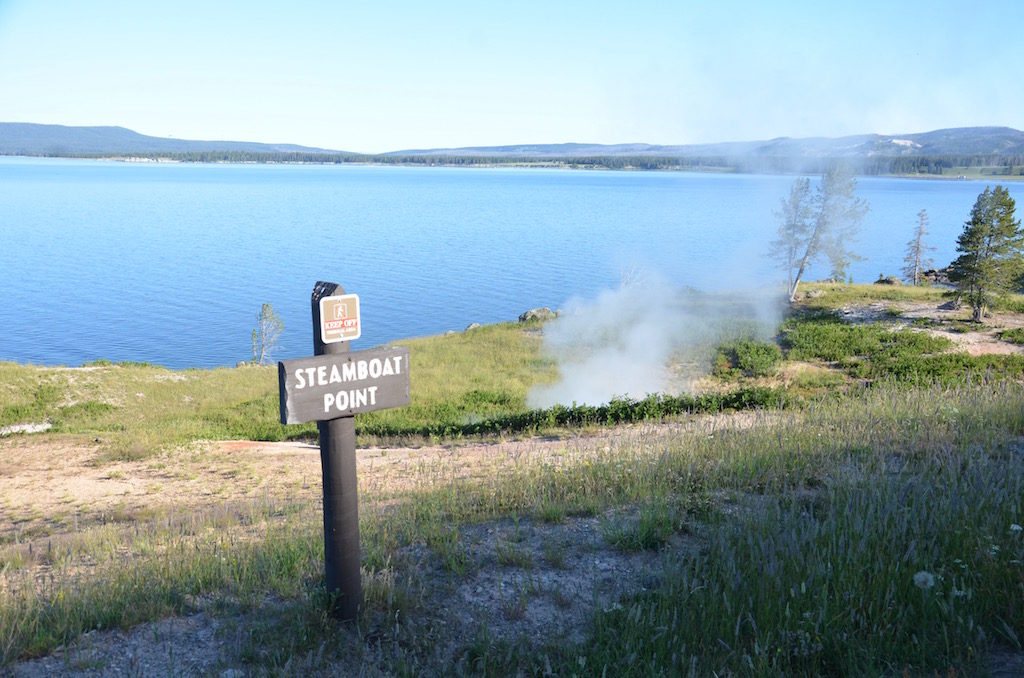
(330, 388)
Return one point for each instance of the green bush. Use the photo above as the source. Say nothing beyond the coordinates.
(618, 411)
(1015, 336)
(748, 357)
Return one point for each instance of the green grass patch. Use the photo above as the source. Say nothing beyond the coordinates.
(813, 379)
(824, 336)
(875, 351)
(878, 351)
(618, 411)
(649, 529)
(887, 576)
(1014, 336)
(462, 379)
(916, 571)
(458, 381)
(831, 296)
(167, 567)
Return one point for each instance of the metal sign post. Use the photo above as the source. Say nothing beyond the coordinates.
(331, 388)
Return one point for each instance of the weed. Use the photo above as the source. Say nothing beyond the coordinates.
(656, 522)
(509, 555)
(515, 602)
(1014, 336)
(554, 553)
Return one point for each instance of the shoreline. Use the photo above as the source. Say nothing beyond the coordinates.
(566, 164)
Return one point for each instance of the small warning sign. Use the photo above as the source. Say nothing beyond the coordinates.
(339, 318)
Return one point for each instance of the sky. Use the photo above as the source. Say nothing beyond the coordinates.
(389, 75)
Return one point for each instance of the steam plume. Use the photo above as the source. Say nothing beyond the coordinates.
(647, 337)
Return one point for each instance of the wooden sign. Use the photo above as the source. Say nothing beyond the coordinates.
(339, 318)
(330, 388)
(342, 384)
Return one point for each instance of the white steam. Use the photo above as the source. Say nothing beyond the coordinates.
(647, 337)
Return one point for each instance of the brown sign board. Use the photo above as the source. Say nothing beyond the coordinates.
(330, 386)
(339, 318)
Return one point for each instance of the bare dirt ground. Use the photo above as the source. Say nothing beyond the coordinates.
(53, 485)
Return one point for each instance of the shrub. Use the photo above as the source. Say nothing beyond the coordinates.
(748, 357)
(1015, 336)
(827, 338)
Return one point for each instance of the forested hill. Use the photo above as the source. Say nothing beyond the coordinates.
(957, 141)
(975, 150)
(984, 150)
(21, 138)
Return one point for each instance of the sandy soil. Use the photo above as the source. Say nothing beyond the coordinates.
(53, 485)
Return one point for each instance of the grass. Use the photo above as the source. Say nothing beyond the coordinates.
(136, 409)
(825, 337)
(462, 385)
(876, 351)
(813, 524)
(828, 586)
(649, 529)
(787, 592)
(832, 296)
(1014, 336)
(140, 409)
(952, 443)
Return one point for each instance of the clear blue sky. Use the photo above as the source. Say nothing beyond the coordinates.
(386, 75)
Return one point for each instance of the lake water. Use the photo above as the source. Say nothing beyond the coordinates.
(170, 263)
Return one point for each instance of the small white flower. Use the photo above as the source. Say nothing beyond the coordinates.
(924, 580)
(1014, 527)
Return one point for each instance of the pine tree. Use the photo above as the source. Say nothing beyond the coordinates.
(916, 259)
(992, 244)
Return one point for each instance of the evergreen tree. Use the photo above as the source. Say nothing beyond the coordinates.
(991, 246)
(916, 259)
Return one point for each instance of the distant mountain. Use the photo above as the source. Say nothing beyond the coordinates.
(22, 138)
(978, 142)
(972, 141)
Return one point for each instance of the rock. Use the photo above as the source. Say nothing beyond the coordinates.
(473, 326)
(937, 276)
(814, 294)
(450, 333)
(888, 280)
(543, 313)
(25, 428)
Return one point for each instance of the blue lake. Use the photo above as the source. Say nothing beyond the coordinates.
(169, 263)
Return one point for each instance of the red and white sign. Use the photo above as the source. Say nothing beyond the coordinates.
(339, 318)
